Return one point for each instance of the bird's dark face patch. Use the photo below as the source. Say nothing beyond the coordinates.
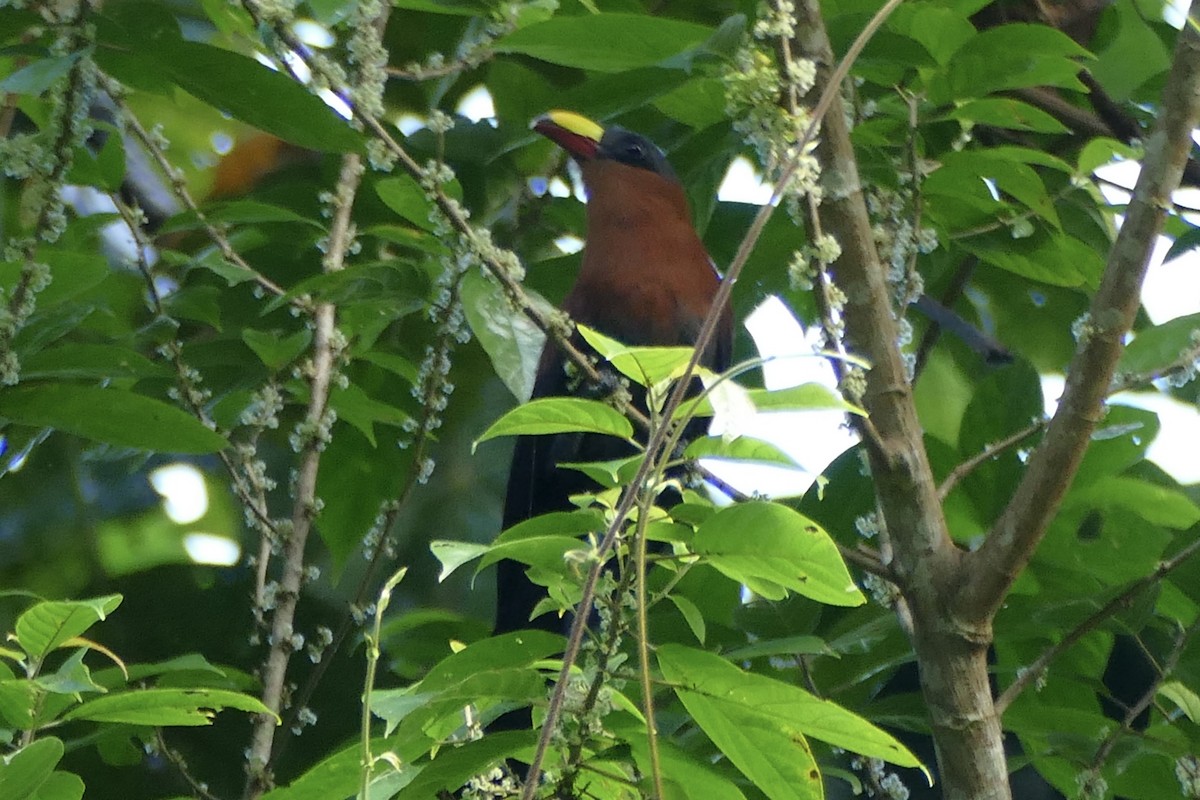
(635, 150)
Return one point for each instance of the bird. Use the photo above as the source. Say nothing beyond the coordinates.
(645, 279)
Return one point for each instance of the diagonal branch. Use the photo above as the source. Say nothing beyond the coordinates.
(992, 569)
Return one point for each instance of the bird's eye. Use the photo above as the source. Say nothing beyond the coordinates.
(635, 152)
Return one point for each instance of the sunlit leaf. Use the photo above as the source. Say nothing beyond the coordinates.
(1187, 699)
(759, 541)
(25, 771)
(560, 415)
(47, 625)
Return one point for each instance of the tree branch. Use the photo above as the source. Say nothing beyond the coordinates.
(991, 570)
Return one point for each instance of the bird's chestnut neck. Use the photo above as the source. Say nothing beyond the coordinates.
(619, 194)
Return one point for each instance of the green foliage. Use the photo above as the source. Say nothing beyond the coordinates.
(768, 657)
(63, 697)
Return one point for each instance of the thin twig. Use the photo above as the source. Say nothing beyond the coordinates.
(989, 451)
(1143, 702)
(646, 502)
(1122, 383)
(179, 187)
(199, 788)
(1121, 601)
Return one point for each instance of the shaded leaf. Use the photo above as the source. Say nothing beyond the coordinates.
(38, 76)
(1006, 112)
(786, 708)
(258, 96)
(513, 343)
(175, 707)
(114, 416)
(274, 350)
(1160, 345)
(605, 42)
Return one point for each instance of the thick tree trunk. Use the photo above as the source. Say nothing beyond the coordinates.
(927, 565)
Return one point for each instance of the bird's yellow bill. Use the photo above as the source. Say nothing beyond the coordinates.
(576, 124)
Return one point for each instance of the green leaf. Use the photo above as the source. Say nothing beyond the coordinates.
(608, 474)
(541, 540)
(1184, 243)
(453, 766)
(501, 668)
(428, 711)
(79, 360)
(73, 677)
(362, 411)
(47, 625)
(682, 770)
(198, 303)
(768, 545)
(60, 786)
(646, 366)
(513, 343)
(18, 701)
(511, 650)
(941, 31)
(339, 775)
(1157, 346)
(1007, 57)
(406, 197)
(463, 8)
(1056, 259)
(258, 96)
(772, 706)
(115, 416)
(691, 615)
(1132, 57)
(237, 212)
(805, 397)
(1006, 112)
(1158, 505)
(558, 415)
(274, 350)
(453, 555)
(743, 448)
(37, 77)
(788, 646)
(1184, 697)
(22, 773)
(74, 273)
(174, 707)
(778, 760)
(1100, 151)
(605, 42)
